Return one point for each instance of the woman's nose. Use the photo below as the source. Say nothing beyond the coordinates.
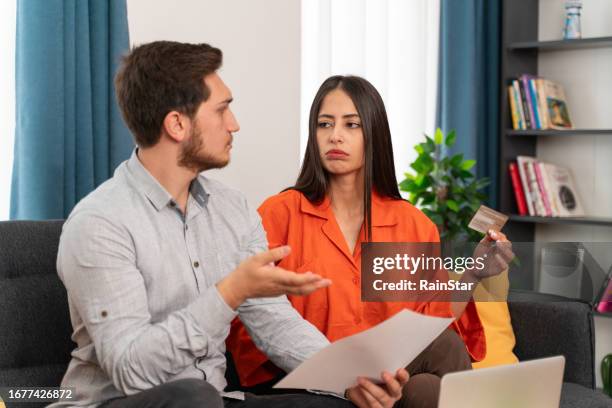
(336, 135)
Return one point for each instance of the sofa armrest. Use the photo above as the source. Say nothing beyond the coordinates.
(547, 325)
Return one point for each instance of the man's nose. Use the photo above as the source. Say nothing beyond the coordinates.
(233, 125)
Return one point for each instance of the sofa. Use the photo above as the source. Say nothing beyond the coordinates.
(35, 327)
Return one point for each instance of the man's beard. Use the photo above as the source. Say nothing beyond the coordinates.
(195, 158)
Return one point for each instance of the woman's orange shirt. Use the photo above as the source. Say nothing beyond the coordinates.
(317, 245)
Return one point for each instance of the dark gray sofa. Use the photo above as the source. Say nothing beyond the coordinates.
(35, 326)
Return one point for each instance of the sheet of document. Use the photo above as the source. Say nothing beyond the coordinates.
(388, 346)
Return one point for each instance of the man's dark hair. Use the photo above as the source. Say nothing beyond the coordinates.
(159, 77)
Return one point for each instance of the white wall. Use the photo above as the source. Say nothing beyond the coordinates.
(393, 44)
(7, 101)
(586, 77)
(260, 41)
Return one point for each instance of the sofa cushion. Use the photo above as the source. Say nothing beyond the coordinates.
(28, 247)
(548, 325)
(35, 324)
(577, 396)
(49, 375)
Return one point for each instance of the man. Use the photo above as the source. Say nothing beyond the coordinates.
(158, 260)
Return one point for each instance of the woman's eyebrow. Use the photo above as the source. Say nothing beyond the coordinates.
(348, 115)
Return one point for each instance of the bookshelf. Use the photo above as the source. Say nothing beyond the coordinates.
(520, 51)
(599, 314)
(557, 45)
(583, 67)
(599, 221)
(564, 133)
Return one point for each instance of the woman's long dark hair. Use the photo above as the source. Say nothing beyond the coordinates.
(379, 171)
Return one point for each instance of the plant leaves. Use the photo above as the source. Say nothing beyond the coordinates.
(444, 187)
(456, 160)
(482, 183)
(407, 185)
(465, 174)
(437, 219)
(451, 138)
(439, 136)
(452, 204)
(468, 164)
(431, 145)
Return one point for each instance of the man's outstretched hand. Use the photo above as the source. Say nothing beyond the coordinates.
(258, 276)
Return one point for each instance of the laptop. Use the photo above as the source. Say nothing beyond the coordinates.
(535, 383)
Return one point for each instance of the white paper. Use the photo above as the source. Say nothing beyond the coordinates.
(388, 346)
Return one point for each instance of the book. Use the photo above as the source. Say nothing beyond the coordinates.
(556, 105)
(524, 175)
(539, 103)
(546, 171)
(528, 100)
(530, 182)
(564, 191)
(534, 100)
(542, 109)
(549, 190)
(524, 106)
(543, 190)
(519, 194)
(513, 109)
(519, 104)
(535, 188)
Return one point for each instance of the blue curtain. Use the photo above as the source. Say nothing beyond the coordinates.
(470, 41)
(69, 135)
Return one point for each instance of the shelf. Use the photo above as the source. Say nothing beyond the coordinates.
(600, 221)
(554, 132)
(584, 43)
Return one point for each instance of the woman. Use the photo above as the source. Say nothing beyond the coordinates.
(347, 194)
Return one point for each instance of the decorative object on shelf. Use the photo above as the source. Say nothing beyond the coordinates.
(572, 29)
(444, 187)
(606, 374)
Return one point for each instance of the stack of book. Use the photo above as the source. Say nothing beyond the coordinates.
(537, 103)
(544, 189)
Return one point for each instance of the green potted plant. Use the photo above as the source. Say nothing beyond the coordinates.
(444, 187)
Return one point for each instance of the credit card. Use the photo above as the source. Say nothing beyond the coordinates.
(487, 219)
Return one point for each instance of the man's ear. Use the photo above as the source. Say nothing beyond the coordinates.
(175, 126)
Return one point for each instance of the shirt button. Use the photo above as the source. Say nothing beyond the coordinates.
(196, 264)
(186, 227)
(355, 281)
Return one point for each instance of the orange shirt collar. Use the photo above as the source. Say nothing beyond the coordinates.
(381, 216)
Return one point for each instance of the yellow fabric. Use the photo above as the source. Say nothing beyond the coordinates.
(495, 318)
